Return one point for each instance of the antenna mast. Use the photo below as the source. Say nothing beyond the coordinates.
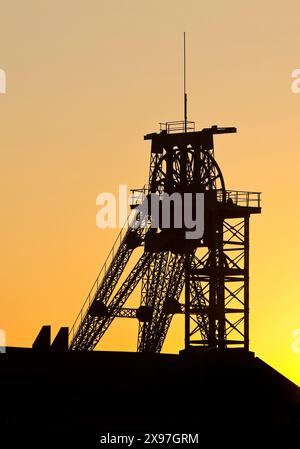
(184, 84)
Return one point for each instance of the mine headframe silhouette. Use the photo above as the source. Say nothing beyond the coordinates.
(206, 279)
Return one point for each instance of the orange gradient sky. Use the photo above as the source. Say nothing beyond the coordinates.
(85, 81)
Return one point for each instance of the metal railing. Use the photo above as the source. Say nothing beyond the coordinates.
(177, 126)
(137, 196)
(237, 197)
(241, 198)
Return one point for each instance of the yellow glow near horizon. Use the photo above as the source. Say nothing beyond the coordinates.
(85, 82)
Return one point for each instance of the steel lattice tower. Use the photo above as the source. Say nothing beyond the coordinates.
(213, 271)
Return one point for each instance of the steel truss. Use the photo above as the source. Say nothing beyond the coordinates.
(213, 271)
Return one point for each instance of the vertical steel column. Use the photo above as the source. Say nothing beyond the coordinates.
(246, 282)
(187, 300)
